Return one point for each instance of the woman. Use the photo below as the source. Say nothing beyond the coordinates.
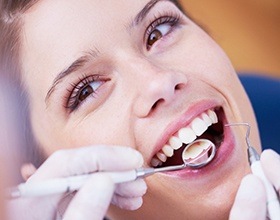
(138, 74)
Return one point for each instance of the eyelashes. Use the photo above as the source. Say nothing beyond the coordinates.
(162, 25)
(86, 87)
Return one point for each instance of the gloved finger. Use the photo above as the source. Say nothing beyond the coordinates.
(27, 170)
(88, 159)
(127, 203)
(92, 200)
(271, 165)
(132, 189)
(250, 201)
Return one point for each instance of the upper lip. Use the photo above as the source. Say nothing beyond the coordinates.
(183, 120)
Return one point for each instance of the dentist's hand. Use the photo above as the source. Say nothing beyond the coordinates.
(94, 198)
(250, 201)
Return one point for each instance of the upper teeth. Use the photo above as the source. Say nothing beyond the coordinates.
(185, 135)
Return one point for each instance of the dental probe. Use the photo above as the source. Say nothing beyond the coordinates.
(273, 205)
(70, 184)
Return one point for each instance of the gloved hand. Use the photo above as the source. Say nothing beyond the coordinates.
(93, 199)
(250, 201)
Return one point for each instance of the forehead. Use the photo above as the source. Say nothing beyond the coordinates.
(72, 22)
(78, 16)
(57, 32)
(64, 19)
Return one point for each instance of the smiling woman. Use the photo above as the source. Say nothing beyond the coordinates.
(149, 78)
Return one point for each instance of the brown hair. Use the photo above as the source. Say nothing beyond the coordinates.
(10, 28)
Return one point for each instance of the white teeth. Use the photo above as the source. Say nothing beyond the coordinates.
(186, 135)
(213, 116)
(206, 119)
(161, 156)
(175, 142)
(156, 162)
(198, 126)
(168, 151)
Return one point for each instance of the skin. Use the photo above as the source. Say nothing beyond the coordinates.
(140, 93)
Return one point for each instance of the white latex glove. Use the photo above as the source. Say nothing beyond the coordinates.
(93, 199)
(250, 201)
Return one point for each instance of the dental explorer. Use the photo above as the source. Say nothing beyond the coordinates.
(273, 206)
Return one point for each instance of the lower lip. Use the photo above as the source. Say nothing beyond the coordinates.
(223, 155)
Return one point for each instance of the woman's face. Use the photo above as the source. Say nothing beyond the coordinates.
(135, 73)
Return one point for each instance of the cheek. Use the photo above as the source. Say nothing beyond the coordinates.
(211, 63)
(47, 131)
(199, 56)
(204, 60)
(99, 128)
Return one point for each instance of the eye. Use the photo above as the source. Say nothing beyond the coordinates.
(88, 90)
(158, 33)
(80, 92)
(160, 28)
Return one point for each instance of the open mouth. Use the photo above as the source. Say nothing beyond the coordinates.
(208, 125)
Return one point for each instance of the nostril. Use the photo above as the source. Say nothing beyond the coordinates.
(157, 103)
(179, 86)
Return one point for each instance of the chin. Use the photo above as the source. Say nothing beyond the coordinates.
(170, 199)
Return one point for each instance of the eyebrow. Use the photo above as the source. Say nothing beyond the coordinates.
(75, 66)
(81, 61)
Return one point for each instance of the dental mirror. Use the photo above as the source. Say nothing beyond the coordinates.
(195, 155)
(198, 153)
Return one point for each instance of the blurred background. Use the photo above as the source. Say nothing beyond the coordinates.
(248, 30)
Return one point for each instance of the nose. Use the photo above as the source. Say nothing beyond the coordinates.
(156, 88)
